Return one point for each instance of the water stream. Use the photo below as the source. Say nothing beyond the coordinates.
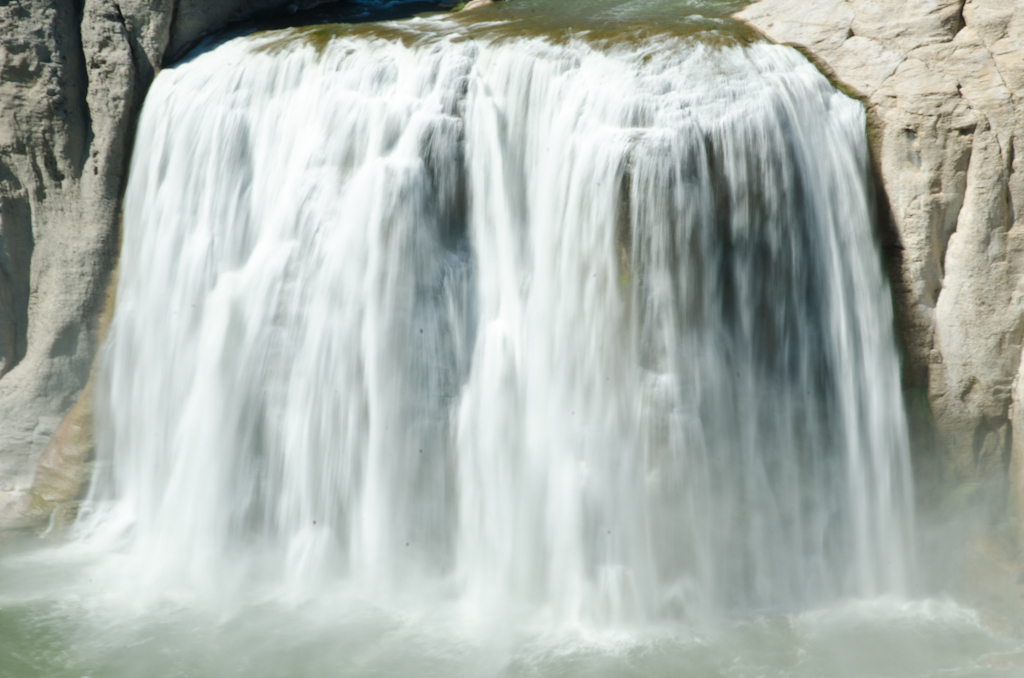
(496, 346)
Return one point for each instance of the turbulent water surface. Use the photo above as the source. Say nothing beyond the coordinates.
(551, 340)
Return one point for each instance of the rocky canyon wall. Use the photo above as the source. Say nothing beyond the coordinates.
(943, 81)
(73, 74)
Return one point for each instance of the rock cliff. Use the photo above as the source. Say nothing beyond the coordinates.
(73, 74)
(943, 81)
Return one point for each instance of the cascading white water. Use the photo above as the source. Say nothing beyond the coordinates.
(598, 331)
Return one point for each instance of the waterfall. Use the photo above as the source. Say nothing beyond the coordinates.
(593, 330)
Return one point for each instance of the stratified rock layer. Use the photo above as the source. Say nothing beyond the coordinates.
(944, 84)
(72, 78)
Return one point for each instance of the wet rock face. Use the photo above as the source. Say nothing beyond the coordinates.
(943, 81)
(73, 74)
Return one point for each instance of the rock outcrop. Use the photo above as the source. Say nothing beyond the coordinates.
(476, 4)
(72, 78)
(943, 81)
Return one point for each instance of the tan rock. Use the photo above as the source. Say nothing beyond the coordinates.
(943, 81)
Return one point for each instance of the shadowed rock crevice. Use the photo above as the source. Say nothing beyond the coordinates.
(15, 260)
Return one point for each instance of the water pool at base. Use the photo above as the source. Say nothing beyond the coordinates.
(67, 615)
